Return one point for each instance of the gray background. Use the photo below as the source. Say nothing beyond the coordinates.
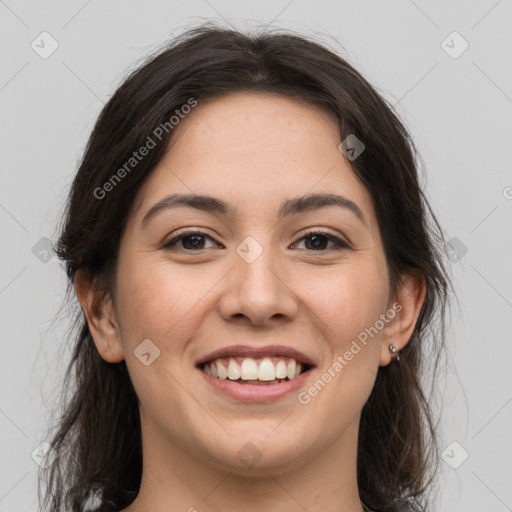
(457, 107)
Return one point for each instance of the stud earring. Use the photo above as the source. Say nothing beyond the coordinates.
(395, 352)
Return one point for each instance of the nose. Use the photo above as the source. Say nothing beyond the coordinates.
(260, 290)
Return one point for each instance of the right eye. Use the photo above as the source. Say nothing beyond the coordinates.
(190, 238)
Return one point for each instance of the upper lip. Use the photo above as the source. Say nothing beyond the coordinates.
(257, 352)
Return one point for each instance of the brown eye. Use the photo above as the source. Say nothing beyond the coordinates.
(319, 240)
(190, 241)
(315, 241)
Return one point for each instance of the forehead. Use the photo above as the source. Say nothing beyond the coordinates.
(253, 150)
(246, 122)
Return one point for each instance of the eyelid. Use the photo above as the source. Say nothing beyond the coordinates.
(340, 242)
(176, 236)
(322, 231)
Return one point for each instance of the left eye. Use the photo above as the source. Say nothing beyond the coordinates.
(318, 239)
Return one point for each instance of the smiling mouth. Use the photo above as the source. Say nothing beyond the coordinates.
(259, 372)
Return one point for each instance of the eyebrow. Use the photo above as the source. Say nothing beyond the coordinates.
(288, 207)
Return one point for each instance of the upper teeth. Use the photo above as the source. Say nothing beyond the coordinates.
(247, 368)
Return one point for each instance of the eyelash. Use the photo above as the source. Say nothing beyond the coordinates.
(341, 244)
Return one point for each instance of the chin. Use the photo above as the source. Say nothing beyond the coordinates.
(256, 453)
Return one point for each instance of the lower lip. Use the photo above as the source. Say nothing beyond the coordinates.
(256, 393)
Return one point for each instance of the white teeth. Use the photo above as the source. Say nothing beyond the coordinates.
(266, 370)
(247, 368)
(221, 370)
(290, 368)
(281, 370)
(233, 370)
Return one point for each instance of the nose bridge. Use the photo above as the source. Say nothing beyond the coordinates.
(258, 291)
(253, 267)
(254, 263)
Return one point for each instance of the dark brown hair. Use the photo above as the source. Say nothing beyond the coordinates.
(98, 438)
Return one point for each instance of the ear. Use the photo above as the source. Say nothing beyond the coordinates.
(407, 305)
(99, 311)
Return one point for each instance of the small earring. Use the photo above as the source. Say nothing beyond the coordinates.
(395, 351)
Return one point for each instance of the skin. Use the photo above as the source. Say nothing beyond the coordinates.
(252, 150)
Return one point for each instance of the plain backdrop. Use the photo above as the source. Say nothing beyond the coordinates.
(447, 68)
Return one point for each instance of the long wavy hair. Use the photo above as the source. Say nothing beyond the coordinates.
(97, 437)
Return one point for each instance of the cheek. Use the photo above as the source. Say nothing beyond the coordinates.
(350, 299)
(157, 300)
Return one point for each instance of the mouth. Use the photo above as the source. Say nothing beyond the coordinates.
(256, 374)
(262, 371)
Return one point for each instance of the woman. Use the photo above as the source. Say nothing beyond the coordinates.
(257, 269)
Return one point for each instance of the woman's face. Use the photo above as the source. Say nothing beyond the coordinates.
(252, 280)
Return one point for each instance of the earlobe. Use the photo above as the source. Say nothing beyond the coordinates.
(101, 319)
(409, 300)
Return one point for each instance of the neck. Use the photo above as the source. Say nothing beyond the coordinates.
(174, 478)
